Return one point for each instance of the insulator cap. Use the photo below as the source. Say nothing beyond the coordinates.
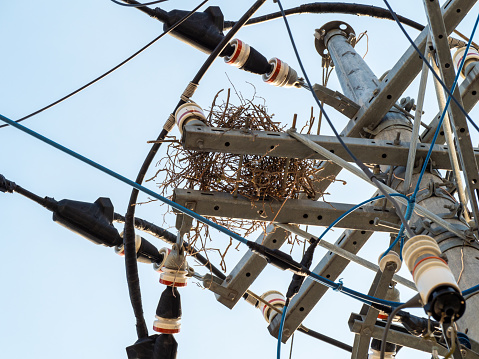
(472, 56)
(281, 75)
(274, 298)
(173, 277)
(240, 54)
(390, 257)
(188, 112)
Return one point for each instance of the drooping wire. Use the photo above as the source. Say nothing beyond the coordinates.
(411, 303)
(138, 5)
(328, 7)
(186, 17)
(129, 230)
(370, 300)
(430, 67)
(361, 165)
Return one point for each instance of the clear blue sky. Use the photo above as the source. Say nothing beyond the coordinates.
(64, 297)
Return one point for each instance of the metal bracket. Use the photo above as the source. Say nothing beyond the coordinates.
(184, 223)
(337, 100)
(213, 284)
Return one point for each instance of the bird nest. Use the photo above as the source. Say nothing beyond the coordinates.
(261, 179)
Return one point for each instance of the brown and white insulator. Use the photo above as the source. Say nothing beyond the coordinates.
(240, 54)
(174, 272)
(168, 312)
(275, 299)
(471, 57)
(190, 113)
(281, 74)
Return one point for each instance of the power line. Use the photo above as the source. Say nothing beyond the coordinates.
(138, 5)
(112, 69)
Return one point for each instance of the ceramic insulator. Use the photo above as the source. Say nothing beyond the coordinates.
(240, 54)
(472, 56)
(421, 254)
(281, 75)
(188, 112)
(274, 298)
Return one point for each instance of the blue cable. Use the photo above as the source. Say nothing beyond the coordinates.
(124, 179)
(355, 208)
(430, 67)
(324, 281)
(280, 333)
(336, 286)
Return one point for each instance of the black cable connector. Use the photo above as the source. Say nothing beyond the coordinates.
(204, 31)
(306, 261)
(6, 186)
(279, 259)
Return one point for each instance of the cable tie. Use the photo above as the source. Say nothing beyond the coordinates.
(189, 91)
(339, 287)
(170, 123)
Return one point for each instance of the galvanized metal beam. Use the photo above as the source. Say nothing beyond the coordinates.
(403, 73)
(469, 90)
(331, 267)
(337, 100)
(307, 212)
(458, 120)
(278, 144)
(250, 267)
(378, 289)
(396, 335)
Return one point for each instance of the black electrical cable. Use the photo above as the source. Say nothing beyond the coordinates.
(112, 69)
(138, 4)
(424, 59)
(129, 231)
(361, 165)
(328, 7)
(326, 339)
(170, 238)
(414, 302)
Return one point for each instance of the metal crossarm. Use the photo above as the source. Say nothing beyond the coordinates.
(459, 124)
(277, 144)
(307, 212)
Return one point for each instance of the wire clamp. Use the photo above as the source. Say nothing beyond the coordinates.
(339, 287)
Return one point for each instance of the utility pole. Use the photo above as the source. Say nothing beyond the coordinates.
(360, 84)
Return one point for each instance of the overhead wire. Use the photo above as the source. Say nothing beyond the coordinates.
(170, 238)
(138, 5)
(129, 240)
(361, 165)
(331, 284)
(370, 300)
(186, 17)
(331, 7)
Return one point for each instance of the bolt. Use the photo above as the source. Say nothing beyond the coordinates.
(366, 331)
(228, 279)
(376, 91)
(200, 144)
